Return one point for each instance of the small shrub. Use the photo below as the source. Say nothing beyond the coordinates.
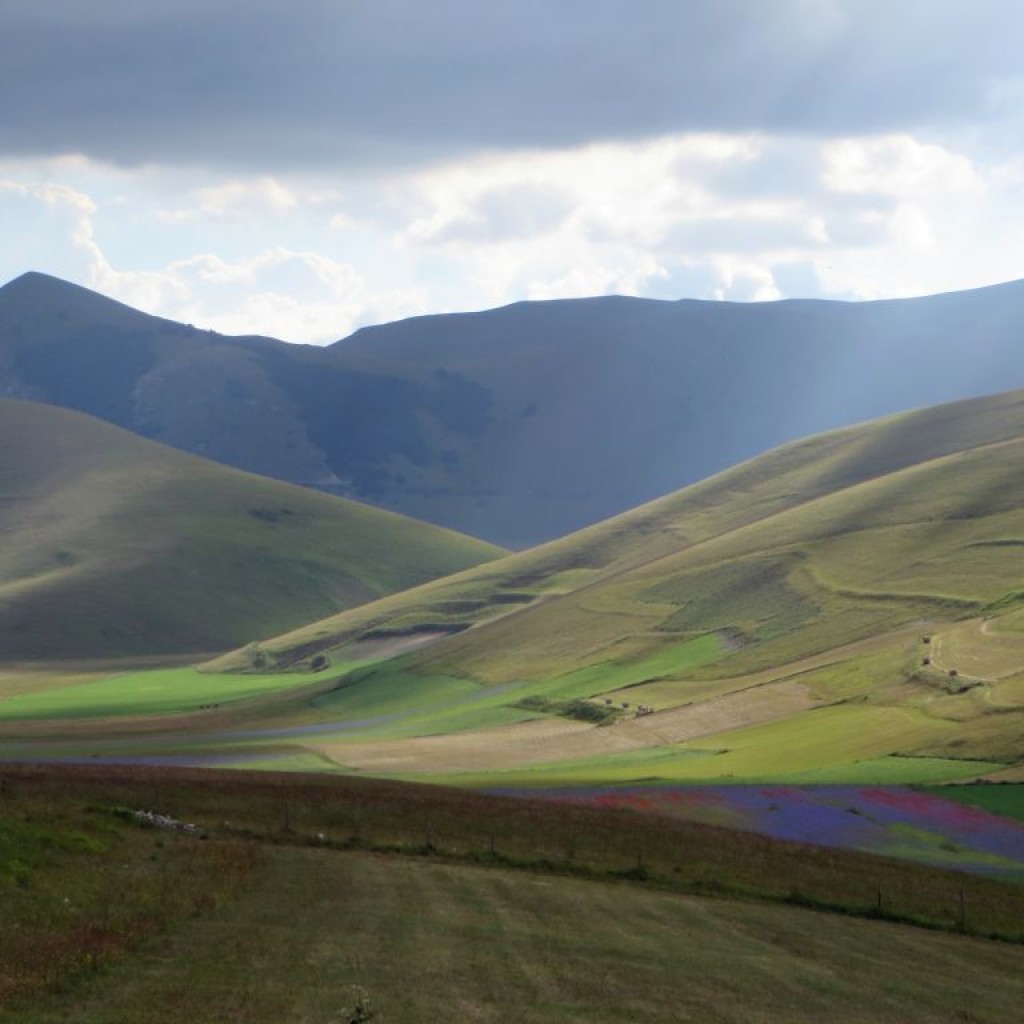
(580, 710)
(361, 1010)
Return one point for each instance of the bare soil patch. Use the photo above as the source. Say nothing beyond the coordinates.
(391, 646)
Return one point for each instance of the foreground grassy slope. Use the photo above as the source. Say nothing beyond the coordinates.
(773, 616)
(114, 545)
(301, 898)
(499, 946)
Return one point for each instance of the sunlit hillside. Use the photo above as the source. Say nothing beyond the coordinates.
(855, 507)
(776, 619)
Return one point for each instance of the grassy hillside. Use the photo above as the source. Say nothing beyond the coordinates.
(321, 900)
(114, 545)
(778, 618)
(518, 424)
(846, 506)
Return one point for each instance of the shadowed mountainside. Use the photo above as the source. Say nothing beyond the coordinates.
(115, 545)
(516, 424)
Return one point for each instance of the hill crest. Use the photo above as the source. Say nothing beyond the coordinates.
(116, 545)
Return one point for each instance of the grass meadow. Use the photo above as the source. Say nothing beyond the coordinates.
(149, 692)
(1007, 801)
(858, 582)
(867, 713)
(319, 899)
(845, 610)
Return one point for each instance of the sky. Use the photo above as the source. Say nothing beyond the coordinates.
(299, 169)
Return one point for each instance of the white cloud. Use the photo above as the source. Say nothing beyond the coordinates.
(615, 190)
(296, 296)
(48, 225)
(895, 165)
(576, 222)
(342, 222)
(630, 276)
(744, 282)
(744, 217)
(243, 200)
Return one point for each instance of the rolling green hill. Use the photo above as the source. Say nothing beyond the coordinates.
(857, 505)
(113, 545)
(773, 617)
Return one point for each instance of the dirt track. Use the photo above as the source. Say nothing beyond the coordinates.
(978, 651)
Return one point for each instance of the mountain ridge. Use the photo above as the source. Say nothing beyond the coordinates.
(521, 423)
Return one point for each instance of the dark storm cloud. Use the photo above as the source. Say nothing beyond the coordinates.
(375, 82)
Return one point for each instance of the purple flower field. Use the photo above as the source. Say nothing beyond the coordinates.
(895, 821)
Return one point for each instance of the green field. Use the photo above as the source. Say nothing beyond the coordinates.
(1007, 801)
(866, 719)
(681, 766)
(154, 692)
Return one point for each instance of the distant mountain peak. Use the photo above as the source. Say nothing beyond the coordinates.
(34, 289)
(36, 281)
(31, 276)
